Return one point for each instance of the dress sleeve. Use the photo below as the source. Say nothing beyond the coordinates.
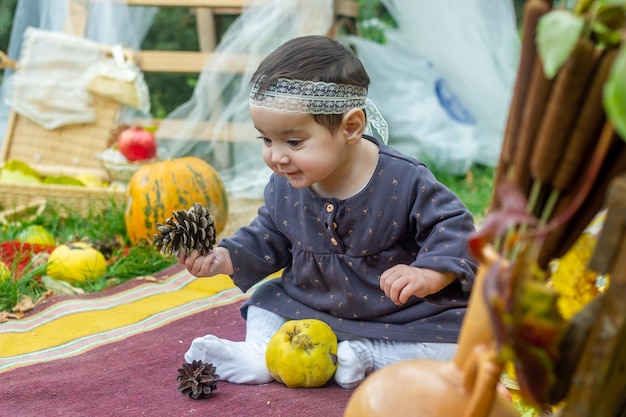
(442, 227)
(259, 249)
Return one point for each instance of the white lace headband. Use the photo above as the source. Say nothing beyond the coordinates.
(318, 97)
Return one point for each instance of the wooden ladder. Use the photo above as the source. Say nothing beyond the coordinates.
(207, 14)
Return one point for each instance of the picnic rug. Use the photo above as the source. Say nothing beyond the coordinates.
(117, 352)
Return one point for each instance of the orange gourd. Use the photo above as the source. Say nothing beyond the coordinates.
(157, 189)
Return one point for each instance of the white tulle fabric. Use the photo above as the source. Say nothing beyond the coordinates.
(220, 100)
(443, 79)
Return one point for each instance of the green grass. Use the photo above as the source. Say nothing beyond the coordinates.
(106, 231)
(474, 188)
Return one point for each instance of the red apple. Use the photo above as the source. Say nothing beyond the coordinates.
(137, 144)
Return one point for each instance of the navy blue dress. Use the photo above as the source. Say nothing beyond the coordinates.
(333, 253)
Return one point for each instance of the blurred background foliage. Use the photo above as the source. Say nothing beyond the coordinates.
(7, 9)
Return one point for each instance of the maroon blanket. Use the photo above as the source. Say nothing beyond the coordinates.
(137, 377)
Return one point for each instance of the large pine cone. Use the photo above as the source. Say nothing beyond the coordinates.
(185, 231)
(197, 379)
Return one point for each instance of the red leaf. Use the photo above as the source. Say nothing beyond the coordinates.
(19, 255)
(512, 212)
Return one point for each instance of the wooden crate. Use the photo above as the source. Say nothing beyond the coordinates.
(67, 150)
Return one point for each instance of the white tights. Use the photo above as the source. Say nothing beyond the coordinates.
(244, 362)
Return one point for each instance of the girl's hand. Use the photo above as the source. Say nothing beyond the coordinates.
(215, 262)
(402, 281)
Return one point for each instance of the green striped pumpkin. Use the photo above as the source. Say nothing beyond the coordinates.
(156, 190)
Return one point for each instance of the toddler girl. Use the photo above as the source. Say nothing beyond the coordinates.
(368, 240)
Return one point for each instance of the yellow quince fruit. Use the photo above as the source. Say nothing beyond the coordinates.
(5, 272)
(76, 262)
(302, 353)
(36, 234)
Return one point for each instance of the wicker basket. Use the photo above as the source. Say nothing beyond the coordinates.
(67, 150)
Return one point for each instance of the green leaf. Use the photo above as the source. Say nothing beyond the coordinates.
(605, 35)
(557, 33)
(60, 287)
(583, 5)
(615, 94)
(612, 17)
(611, 2)
(15, 171)
(63, 180)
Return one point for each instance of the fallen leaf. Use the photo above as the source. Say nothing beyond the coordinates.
(112, 282)
(39, 259)
(60, 287)
(4, 316)
(25, 304)
(43, 297)
(150, 278)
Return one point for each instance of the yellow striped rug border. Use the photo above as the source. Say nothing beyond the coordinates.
(73, 326)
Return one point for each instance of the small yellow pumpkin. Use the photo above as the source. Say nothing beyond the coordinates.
(76, 262)
(158, 189)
